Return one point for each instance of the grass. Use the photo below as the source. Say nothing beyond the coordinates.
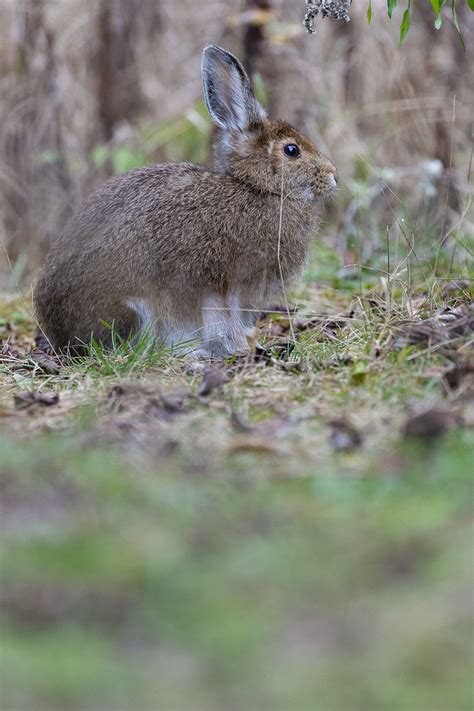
(290, 541)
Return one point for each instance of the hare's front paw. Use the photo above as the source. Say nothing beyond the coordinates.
(225, 345)
(224, 330)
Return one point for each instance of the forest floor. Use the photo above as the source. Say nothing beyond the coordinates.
(292, 530)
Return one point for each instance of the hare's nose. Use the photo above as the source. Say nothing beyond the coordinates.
(332, 179)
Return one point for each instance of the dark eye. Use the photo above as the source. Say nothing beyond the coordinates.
(292, 150)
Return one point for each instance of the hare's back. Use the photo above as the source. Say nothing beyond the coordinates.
(128, 205)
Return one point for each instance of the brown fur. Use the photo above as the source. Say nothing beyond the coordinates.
(172, 235)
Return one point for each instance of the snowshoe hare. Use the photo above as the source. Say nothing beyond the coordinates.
(191, 254)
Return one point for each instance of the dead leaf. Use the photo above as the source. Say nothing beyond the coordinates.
(455, 377)
(165, 407)
(11, 334)
(212, 378)
(141, 403)
(9, 356)
(458, 320)
(425, 334)
(431, 424)
(33, 399)
(324, 327)
(42, 341)
(455, 286)
(34, 360)
(445, 327)
(45, 362)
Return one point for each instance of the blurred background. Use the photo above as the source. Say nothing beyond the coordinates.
(89, 88)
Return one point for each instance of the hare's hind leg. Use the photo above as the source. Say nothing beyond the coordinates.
(224, 330)
(146, 316)
(184, 339)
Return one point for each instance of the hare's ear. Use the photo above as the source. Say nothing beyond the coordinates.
(227, 90)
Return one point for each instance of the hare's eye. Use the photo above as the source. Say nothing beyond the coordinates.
(292, 150)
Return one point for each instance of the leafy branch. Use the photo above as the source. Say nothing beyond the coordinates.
(339, 10)
(437, 6)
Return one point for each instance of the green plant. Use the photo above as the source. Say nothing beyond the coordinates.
(437, 6)
(339, 10)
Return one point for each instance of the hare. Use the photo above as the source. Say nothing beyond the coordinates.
(188, 253)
